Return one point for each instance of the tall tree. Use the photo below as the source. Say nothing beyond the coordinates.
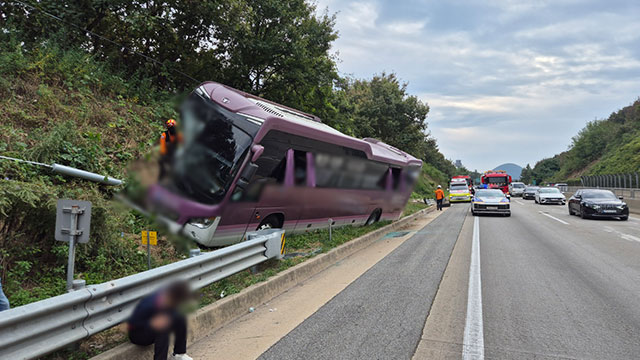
(382, 109)
(526, 175)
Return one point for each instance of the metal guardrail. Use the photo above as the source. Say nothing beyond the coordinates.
(39, 328)
(619, 181)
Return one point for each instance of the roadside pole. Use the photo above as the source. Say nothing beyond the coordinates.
(77, 214)
(330, 228)
(149, 238)
(72, 248)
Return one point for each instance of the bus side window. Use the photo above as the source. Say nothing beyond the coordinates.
(271, 170)
(300, 167)
(395, 177)
(272, 163)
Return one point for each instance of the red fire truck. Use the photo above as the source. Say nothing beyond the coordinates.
(496, 179)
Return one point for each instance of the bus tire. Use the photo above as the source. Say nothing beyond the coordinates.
(274, 221)
(374, 217)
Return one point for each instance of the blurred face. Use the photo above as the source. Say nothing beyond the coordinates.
(172, 130)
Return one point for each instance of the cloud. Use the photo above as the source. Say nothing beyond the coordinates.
(406, 27)
(360, 16)
(533, 72)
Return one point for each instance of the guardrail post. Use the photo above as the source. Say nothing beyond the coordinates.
(78, 284)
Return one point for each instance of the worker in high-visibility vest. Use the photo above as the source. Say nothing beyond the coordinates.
(439, 198)
(168, 144)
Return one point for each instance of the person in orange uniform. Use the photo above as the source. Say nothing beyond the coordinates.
(168, 144)
(439, 198)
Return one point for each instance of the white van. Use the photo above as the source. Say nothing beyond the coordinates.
(516, 188)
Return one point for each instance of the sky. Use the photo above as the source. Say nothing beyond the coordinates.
(505, 80)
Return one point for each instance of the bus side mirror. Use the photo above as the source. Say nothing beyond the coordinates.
(257, 151)
(247, 175)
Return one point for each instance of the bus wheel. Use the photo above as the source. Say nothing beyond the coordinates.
(374, 217)
(270, 222)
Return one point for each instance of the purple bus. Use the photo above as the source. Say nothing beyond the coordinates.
(247, 163)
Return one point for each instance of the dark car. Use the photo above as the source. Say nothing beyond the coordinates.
(597, 203)
(529, 192)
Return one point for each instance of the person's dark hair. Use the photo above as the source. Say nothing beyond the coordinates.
(179, 292)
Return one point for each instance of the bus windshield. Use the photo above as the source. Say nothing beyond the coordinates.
(213, 148)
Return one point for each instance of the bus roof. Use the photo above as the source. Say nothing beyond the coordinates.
(271, 115)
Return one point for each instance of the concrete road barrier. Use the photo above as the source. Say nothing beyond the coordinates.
(230, 308)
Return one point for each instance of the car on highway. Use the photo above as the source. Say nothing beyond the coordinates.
(516, 188)
(597, 203)
(459, 192)
(529, 192)
(550, 195)
(490, 201)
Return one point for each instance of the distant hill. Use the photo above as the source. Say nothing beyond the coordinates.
(511, 169)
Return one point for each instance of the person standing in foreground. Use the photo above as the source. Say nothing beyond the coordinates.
(157, 316)
(4, 302)
(439, 198)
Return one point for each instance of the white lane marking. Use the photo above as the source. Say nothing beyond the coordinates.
(553, 217)
(473, 342)
(621, 234)
(521, 203)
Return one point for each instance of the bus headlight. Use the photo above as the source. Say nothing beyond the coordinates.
(202, 223)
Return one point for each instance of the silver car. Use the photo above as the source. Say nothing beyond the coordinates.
(550, 195)
(516, 188)
(490, 201)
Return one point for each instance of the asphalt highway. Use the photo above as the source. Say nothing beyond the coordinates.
(549, 286)
(381, 314)
(557, 286)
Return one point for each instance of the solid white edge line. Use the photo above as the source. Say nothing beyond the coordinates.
(473, 342)
(553, 217)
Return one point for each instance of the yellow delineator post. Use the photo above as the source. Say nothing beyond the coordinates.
(282, 241)
(149, 238)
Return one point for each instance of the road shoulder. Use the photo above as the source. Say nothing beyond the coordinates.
(254, 333)
(443, 333)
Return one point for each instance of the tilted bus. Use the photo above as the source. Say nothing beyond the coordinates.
(247, 163)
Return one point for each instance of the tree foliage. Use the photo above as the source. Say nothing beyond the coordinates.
(382, 109)
(527, 174)
(280, 50)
